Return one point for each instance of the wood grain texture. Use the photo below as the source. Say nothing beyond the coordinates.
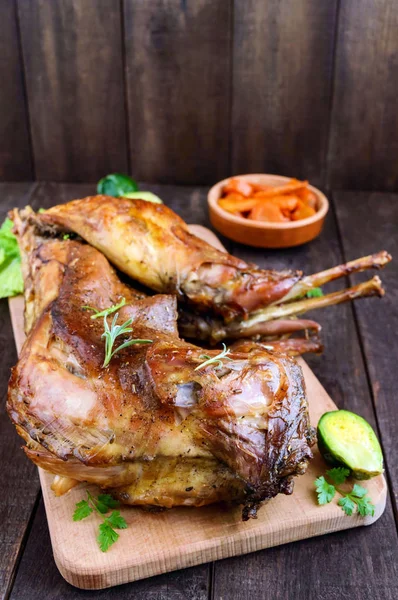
(178, 83)
(15, 151)
(38, 575)
(282, 74)
(20, 484)
(360, 564)
(74, 73)
(181, 537)
(49, 194)
(376, 227)
(364, 130)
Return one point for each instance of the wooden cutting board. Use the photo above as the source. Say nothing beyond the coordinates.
(159, 542)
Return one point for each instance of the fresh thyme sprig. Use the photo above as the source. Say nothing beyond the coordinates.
(104, 502)
(111, 333)
(217, 360)
(355, 499)
(107, 311)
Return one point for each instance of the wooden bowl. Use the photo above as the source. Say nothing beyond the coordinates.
(263, 234)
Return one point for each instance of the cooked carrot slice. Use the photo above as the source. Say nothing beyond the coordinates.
(277, 204)
(308, 197)
(286, 203)
(234, 196)
(292, 186)
(267, 211)
(238, 185)
(242, 204)
(302, 212)
(260, 187)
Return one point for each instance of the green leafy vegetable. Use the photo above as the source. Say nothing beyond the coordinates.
(116, 520)
(315, 293)
(358, 491)
(108, 500)
(356, 498)
(105, 502)
(111, 333)
(107, 536)
(325, 490)
(83, 510)
(11, 282)
(347, 505)
(119, 185)
(365, 506)
(102, 505)
(116, 185)
(338, 474)
(216, 360)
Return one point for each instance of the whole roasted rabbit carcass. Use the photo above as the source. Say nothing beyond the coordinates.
(221, 296)
(160, 425)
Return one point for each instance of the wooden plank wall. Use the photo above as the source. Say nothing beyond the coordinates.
(190, 91)
(72, 53)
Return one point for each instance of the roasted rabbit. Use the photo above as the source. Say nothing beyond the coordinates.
(222, 296)
(161, 424)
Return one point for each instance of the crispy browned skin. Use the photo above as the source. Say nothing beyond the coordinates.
(290, 346)
(191, 325)
(153, 245)
(151, 427)
(213, 330)
(45, 262)
(221, 296)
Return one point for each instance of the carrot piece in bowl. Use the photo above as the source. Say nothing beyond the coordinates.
(303, 211)
(261, 187)
(293, 185)
(308, 197)
(240, 186)
(267, 211)
(237, 203)
(278, 203)
(233, 197)
(286, 203)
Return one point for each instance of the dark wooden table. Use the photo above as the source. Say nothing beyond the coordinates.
(357, 369)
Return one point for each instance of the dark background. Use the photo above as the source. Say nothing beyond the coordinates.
(190, 91)
(187, 92)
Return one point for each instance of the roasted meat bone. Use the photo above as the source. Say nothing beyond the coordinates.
(222, 296)
(155, 428)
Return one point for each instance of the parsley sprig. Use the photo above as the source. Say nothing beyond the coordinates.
(216, 360)
(357, 498)
(102, 505)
